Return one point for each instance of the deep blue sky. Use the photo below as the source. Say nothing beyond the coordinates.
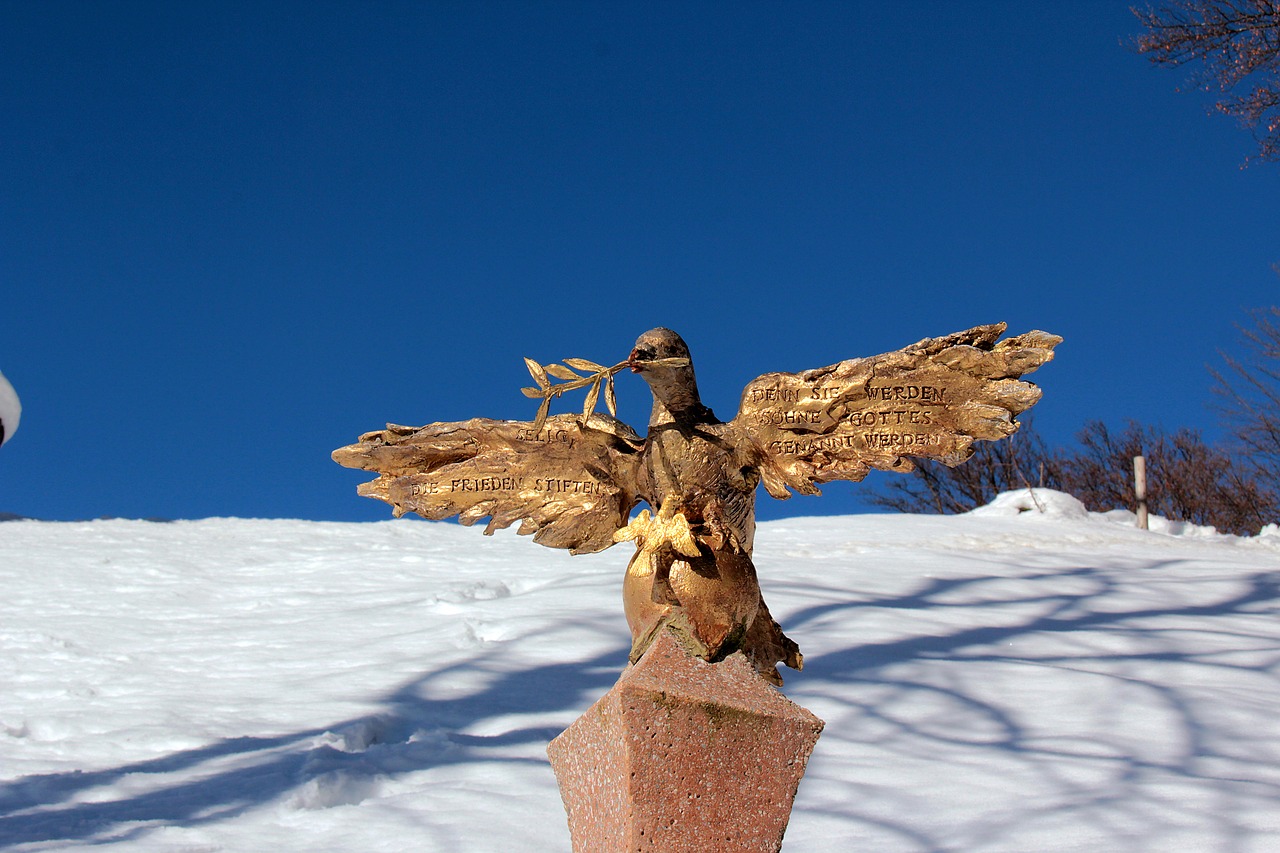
(233, 236)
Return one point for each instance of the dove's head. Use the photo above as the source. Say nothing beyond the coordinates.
(661, 357)
(658, 349)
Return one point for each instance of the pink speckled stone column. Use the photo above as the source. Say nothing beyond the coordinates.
(683, 755)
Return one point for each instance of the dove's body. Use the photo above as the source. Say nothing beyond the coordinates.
(694, 465)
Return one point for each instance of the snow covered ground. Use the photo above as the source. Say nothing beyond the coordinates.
(1002, 681)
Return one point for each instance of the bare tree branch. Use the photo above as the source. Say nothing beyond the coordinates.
(1188, 480)
(995, 467)
(1231, 41)
(1248, 391)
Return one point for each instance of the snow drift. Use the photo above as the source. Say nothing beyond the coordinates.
(1026, 677)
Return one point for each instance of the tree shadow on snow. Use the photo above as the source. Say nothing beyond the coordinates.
(927, 704)
(892, 679)
(224, 779)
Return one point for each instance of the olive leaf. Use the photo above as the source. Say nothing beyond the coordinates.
(610, 401)
(589, 405)
(584, 364)
(559, 371)
(541, 418)
(539, 375)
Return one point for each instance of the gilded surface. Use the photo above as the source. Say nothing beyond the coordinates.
(930, 400)
(572, 480)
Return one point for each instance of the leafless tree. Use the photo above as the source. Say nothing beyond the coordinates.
(1234, 46)
(1187, 479)
(1001, 466)
(1249, 393)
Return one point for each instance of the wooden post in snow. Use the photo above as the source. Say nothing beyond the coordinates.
(1140, 489)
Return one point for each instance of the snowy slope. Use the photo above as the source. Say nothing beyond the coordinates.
(1003, 681)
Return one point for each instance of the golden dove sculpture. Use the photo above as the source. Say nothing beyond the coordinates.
(572, 480)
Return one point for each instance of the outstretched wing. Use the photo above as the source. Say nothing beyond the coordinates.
(569, 484)
(929, 400)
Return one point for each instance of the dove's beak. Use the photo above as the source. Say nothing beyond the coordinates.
(633, 361)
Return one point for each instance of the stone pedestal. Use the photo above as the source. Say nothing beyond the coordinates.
(683, 755)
